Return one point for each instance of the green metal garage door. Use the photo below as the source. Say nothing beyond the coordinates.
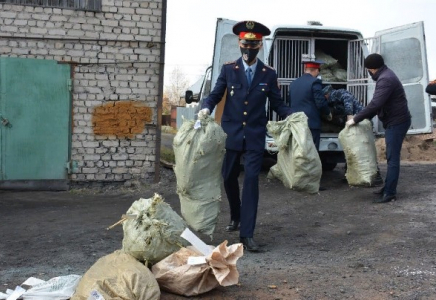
(34, 121)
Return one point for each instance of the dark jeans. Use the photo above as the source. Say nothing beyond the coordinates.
(394, 136)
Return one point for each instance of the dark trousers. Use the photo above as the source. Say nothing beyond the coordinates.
(316, 135)
(244, 211)
(394, 136)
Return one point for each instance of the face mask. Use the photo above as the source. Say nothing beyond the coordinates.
(249, 55)
(371, 74)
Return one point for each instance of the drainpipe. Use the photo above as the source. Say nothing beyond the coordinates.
(160, 94)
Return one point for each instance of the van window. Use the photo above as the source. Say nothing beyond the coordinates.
(406, 69)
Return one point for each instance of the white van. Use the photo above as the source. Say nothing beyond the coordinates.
(343, 51)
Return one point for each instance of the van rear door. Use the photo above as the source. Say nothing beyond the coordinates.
(404, 51)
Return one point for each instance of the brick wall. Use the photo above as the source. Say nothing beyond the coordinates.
(115, 58)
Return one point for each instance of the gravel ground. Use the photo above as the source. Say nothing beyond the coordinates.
(333, 245)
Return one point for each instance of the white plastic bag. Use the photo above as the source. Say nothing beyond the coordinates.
(57, 288)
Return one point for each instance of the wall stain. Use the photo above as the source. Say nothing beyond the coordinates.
(121, 118)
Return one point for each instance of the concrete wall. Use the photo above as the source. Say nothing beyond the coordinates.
(115, 57)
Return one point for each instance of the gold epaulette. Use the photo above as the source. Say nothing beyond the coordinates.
(230, 62)
(270, 67)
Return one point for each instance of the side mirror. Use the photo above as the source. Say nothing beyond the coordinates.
(189, 97)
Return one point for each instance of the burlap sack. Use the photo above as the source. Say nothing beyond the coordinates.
(117, 276)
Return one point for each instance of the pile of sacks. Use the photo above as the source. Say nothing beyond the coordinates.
(156, 255)
(157, 237)
(331, 69)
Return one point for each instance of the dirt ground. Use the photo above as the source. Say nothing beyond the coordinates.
(333, 245)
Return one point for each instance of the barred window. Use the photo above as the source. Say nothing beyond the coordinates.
(91, 5)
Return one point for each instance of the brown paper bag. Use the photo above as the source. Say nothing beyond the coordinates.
(175, 275)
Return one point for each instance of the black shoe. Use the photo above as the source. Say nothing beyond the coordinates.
(249, 244)
(378, 181)
(379, 192)
(233, 226)
(322, 188)
(385, 199)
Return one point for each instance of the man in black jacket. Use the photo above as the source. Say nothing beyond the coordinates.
(389, 103)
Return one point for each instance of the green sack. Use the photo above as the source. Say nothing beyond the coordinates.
(298, 163)
(152, 231)
(199, 155)
(360, 153)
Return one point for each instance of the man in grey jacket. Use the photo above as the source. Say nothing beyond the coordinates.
(389, 103)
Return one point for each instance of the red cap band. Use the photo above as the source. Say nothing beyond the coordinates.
(312, 65)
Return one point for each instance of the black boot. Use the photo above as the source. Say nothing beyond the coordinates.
(249, 244)
(378, 180)
(233, 226)
(385, 199)
(380, 191)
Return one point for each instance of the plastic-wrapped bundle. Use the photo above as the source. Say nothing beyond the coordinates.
(298, 164)
(199, 154)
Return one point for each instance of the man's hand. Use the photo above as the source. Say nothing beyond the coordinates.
(350, 122)
(349, 117)
(203, 113)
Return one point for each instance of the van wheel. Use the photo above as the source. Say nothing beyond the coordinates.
(328, 166)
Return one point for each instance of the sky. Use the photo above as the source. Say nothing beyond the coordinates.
(190, 28)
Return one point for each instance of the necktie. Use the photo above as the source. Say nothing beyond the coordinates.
(249, 71)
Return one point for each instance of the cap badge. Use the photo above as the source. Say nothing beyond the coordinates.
(250, 25)
(249, 35)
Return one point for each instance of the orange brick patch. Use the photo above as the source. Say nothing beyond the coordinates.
(121, 118)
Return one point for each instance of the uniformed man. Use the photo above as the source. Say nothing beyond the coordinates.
(342, 98)
(350, 106)
(247, 82)
(305, 95)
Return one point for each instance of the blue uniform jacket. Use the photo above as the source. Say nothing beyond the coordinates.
(343, 97)
(244, 115)
(305, 94)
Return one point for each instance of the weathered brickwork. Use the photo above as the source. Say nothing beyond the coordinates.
(115, 57)
(121, 118)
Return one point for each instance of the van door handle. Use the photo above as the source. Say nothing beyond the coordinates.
(5, 122)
